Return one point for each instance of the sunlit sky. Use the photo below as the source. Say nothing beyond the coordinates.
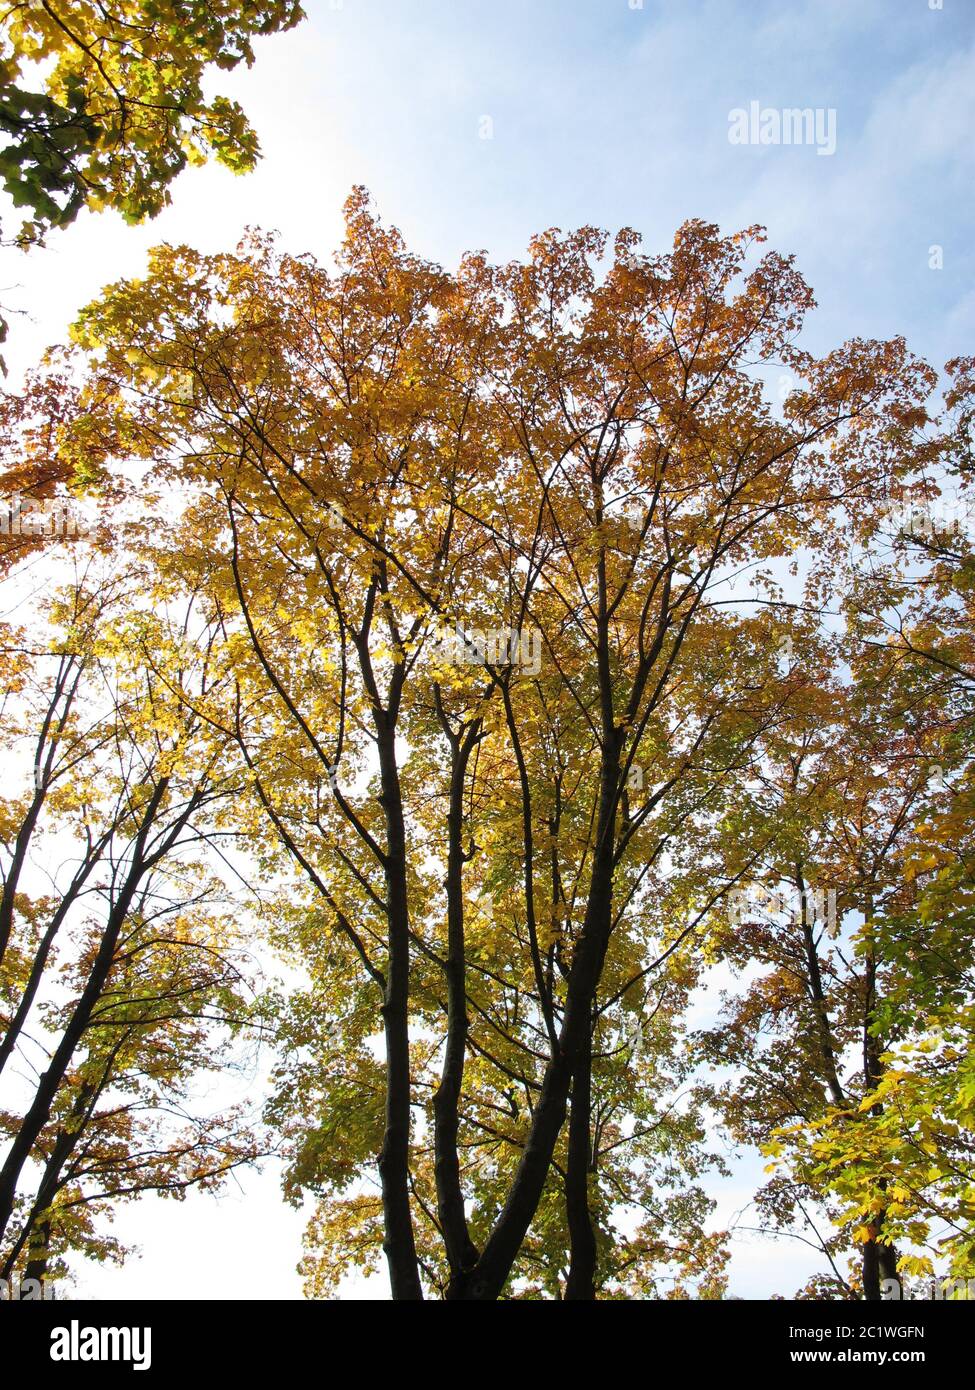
(599, 111)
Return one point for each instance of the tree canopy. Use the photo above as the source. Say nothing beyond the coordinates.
(527, 637)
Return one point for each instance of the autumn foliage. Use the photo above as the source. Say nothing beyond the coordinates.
(522, 628)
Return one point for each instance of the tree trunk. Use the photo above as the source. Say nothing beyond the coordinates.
(879, 1258)
(581, 1283)
(488, 1278)
(394, 1157)
(461, 1251)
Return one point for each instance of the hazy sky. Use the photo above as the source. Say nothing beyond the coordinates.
(597, 111)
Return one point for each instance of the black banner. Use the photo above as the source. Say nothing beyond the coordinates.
(172, 1339)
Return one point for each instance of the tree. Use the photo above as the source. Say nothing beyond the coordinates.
(835, 800)
(487, 524)
(897, 1157)
(123, 977)
(858, 1083)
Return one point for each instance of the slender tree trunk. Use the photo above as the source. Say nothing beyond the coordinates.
(820, 1005)
(887, 1257)
(488, 1278)
(870, 1270)
(878, 1268)
(461, 1251)
(36, 1230)
(879, 1258)
(37, 1262)
(581, 1283)
(394, 1157)
(63, 695)
(39, 963)
(8, 895)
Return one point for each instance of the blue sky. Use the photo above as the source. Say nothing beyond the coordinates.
(604, 112)
(601, 113)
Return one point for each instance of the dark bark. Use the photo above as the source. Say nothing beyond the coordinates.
(461, 1251)
(820, 1006)
(887, 1257)
(879, 1258)
(65, 690)
(581, 1283)
(36, 1230)
(488, 1278)
(18, 859)
(528, 867)
(870, 1270)
(39, 963)
(36, 1267)
(394, 1158)
(879, 1264)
